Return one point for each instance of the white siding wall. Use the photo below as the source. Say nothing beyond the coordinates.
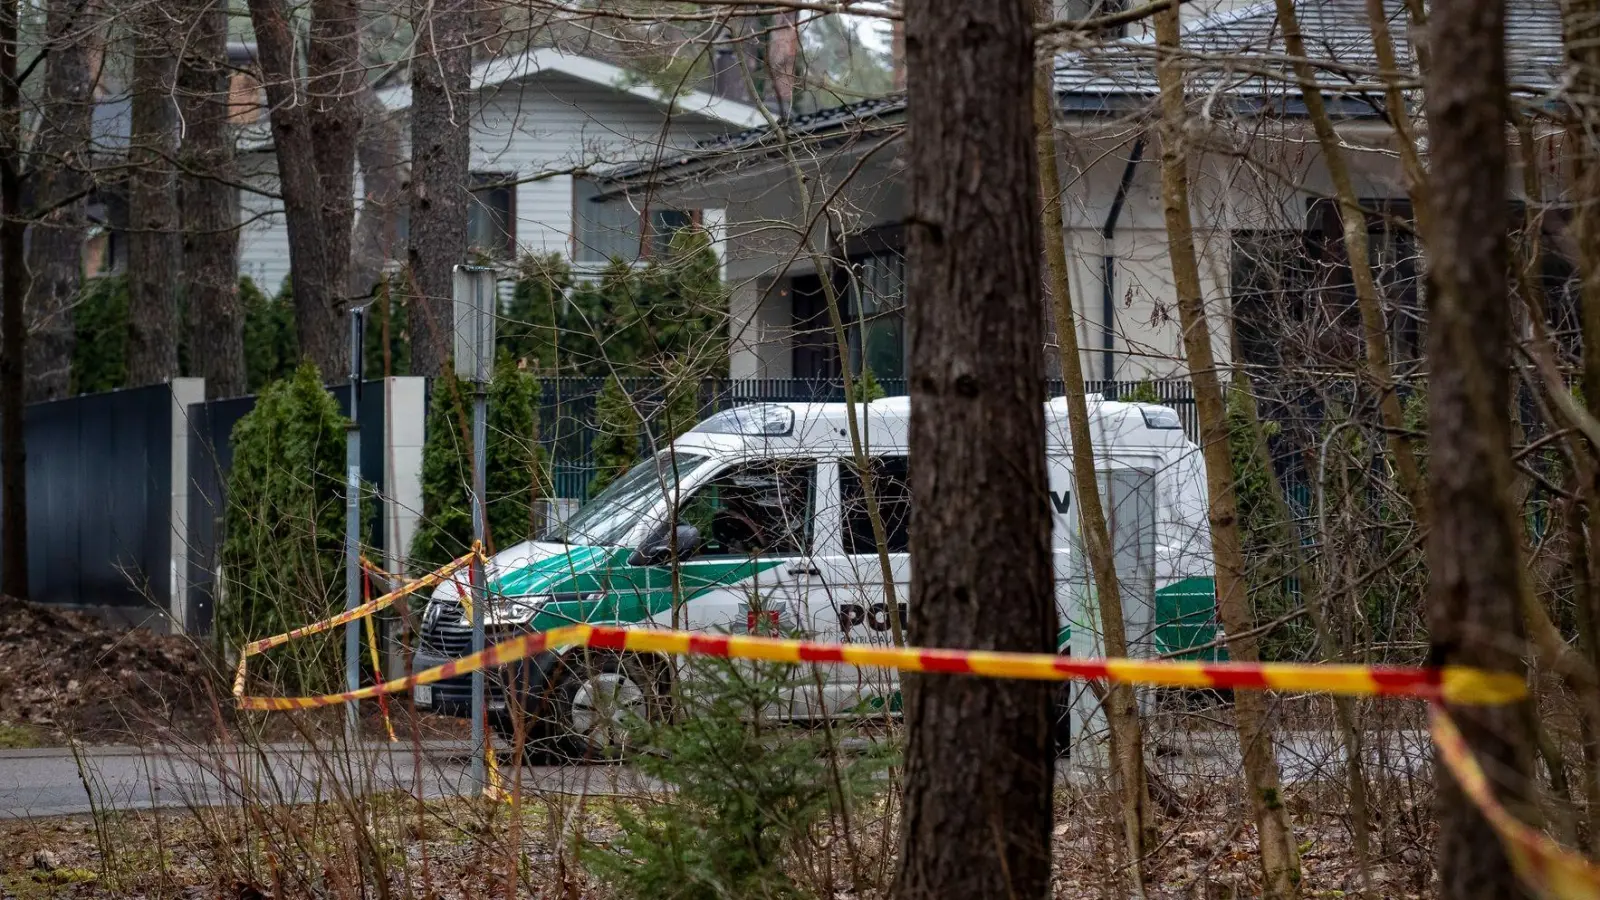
(263, 239)
(546, 124)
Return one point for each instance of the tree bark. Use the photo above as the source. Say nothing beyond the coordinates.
(441, 114)
(210, 233)
(382, 161)
(315, 124)
(60, 162)
(1473, 550)
(13, 333)
(978, 756)
(153, 240)
(1122, 710)
(1280, 860)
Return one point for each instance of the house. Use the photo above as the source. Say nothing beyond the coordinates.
(822, 196)
(540, 120)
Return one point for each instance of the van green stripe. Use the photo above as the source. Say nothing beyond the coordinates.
(624, 594)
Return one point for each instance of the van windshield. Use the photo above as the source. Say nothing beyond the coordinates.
(609, 517)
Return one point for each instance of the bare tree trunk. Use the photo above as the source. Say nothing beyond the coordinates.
(977, 391)
(1122, 710)
(315, 124)
(1280, 860)
(13, 333)
(209, 204)
(153, 242)
(60, 181)
(441, 115)
(380, 155)
(1473, 550)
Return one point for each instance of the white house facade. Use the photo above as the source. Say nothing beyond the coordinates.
(541, 120)
(822, 197)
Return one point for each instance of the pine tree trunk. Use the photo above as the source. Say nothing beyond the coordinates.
(1280, 861)
(1122, 710)
(209, 204)
(60, 180)
(13, 333)
(1473, 550)
(315, 124)
(153, 241)
(381, 157)
(440, 131)
(978, 772)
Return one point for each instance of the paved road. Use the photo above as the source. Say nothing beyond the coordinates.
(52, 782)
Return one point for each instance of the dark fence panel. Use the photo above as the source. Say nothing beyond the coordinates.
(211, 459)
(99, 474)
(567, 410)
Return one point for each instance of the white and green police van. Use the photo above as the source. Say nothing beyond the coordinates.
(772, 535)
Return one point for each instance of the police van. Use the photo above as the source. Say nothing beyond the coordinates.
(756, 521)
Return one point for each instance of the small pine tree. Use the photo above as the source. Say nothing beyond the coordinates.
(528, 330)
(746, 794)
(1143, 392)
(271, 346)
(99, 356)
(865, 388)
(616, 440)
(516, 474)
(283, 551)
(387, 313)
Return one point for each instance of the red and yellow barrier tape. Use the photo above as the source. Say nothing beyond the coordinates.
(1451, 684)
(1546, 867)
(1549, 869)
(350, 615)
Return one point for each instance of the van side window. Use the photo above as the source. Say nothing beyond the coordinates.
(891, 484)
(760, 508)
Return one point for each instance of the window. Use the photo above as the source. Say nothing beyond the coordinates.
(755, 509)
(870, 287)
(617, 229)
(491, 220)
(891, 485)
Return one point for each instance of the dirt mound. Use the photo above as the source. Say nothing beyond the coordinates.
(65, 673)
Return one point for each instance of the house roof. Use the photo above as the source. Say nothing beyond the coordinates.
(1242, 52)
(1238, 53)
(551, 60)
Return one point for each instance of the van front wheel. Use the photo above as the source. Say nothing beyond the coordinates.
(603, 699)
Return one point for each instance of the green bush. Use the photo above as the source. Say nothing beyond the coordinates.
(1143, 392)
(100, 323)
(283, 553)
(271, 346)
(387, 313)
(746, 794)
(516, 474)
(616, 445)
(528, 330)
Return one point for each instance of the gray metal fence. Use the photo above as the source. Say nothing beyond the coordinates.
(100, 501)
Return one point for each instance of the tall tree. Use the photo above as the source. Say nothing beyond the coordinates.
(1121, 706)
(977, 432)
(316, 121)
(1473, 550)
(153, 240)
(441, 117)
(380, 155)
(13, 333)
(1280, 861)
(59, 162)
(210, 232)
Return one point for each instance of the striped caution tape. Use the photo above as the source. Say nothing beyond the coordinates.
(1550, 870)
(1453, 684)
(350, 615)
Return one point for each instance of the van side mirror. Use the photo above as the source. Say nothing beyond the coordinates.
(657, 551)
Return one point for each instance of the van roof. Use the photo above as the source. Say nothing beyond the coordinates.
(886, 423)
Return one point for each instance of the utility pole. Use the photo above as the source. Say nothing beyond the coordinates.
(474, 290)
(352, 527)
